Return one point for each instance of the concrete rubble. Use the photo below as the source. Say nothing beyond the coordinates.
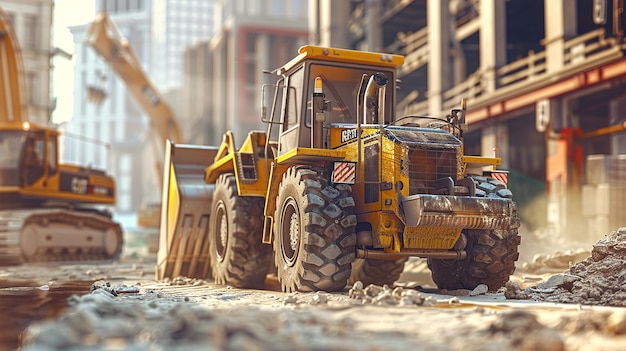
(600, 279)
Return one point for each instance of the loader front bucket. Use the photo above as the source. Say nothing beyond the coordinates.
(185, 210)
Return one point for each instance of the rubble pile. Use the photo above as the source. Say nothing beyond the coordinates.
(102, 320)
(387, 296)
(597, 280)
(384, 295)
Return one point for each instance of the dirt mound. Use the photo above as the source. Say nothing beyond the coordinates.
(597, 280)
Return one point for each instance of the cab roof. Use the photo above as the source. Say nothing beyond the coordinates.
(344, 56)
(26, 126)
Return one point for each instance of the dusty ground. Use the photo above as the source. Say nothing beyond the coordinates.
(119, 307)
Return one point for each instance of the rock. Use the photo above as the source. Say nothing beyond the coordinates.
(514, 292)
(319, 299)
(290, 299)
(374, 290)
(481, 289)
(356, 292)
(552, 282)
(430, 301)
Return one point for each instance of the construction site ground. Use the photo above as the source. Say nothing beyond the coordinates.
(562, 297)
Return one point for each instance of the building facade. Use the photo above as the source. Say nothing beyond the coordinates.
(32, 22)
(123, 142)
(112, 134)
(224, 76)
(177, 24)
(544, 81)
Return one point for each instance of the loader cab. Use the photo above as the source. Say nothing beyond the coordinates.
(343, 75)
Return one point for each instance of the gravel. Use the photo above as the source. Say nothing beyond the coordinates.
(599, 279)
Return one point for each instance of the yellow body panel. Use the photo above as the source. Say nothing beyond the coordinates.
(302, 155)
(430, 238)
(223, 165)
(227, 158)
(344, 55)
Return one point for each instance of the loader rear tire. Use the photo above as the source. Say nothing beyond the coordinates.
(377, 272)
(314, 238)
(491, 254)
(238, 258)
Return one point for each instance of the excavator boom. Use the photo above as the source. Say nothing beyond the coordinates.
(104, 37)
(12, 101)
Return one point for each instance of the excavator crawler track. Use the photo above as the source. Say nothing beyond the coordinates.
(58, 235)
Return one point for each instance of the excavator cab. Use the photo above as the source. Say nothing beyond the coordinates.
(28, 157)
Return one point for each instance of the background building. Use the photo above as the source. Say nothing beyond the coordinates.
(110, 135)
(223, 76)
(116, 134)
(32, 22)
(177, 24)
(545, 88)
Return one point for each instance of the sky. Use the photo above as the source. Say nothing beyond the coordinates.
(67, 13)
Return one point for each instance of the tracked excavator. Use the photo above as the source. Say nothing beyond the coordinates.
(106, 40)
(48, 211)
(346, 191)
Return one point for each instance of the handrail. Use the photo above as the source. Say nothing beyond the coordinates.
(588, 45)
(527, 61)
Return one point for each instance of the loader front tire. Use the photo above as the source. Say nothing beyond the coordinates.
(238, 258)
(314, 238)
(491, 254)
(377, 272)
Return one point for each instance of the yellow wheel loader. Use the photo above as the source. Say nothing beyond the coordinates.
(343, 190)
(48, 211)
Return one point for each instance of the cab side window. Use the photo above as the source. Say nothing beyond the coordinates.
(294, 99)
(33, 162)
(52, 156)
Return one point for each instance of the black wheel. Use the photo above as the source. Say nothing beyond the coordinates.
(238, 257)
(377, 272)
(314, 239)
(491, 254)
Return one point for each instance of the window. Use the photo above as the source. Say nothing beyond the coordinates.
(52, 155)
(113, 98)
(82, 100)
(277, 8)
(31, 82)
(340, 86)
(31, 37)
(294, 99)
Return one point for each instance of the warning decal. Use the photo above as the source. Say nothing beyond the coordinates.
(344, 172)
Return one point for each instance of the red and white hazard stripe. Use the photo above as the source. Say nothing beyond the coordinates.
(344, 173)
(502, 176)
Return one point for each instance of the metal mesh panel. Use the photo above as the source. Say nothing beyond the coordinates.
(429, 156)
(426, 166)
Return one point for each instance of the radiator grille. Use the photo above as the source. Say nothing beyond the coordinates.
(426, 166)
(429, 157)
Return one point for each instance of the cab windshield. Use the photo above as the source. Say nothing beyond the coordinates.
(341, 88)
